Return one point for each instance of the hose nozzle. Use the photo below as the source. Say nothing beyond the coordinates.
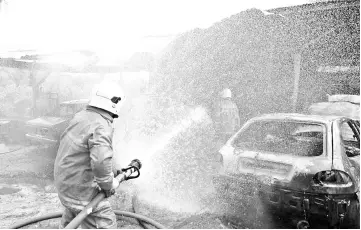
(134, 166)
(136, 163)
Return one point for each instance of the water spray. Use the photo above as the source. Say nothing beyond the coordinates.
(194, 116)
(157, 189)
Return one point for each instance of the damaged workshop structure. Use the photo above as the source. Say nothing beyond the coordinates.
(34, 71)
(75, 62)
(326, 49)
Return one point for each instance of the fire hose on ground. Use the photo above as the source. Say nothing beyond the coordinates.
(126, 174)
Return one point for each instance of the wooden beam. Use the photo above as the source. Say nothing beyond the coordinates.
(297, 73)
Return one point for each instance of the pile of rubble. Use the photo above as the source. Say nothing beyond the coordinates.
(245, 52)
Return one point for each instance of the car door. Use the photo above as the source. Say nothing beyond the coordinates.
(350, 136)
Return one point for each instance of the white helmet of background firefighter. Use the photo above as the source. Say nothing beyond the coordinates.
(108, 96)
(226, 93)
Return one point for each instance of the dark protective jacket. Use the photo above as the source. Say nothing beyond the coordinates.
(226, 117)
(84, 158)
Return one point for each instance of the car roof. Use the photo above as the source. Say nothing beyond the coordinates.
(79, 101)
(298, 117)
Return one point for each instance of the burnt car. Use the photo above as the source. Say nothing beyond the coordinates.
(304, 166)
(47, 129)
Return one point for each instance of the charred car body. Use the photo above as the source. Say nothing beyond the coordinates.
(47, 129)
(303, 165)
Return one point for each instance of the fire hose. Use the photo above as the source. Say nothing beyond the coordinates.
(126, 174)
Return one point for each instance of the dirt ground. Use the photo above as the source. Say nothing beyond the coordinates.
(26, 188)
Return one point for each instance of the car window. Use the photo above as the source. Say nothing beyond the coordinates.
(283, 137)
(347, 132)
(350, 138)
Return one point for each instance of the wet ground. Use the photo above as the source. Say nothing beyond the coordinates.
(26, 185)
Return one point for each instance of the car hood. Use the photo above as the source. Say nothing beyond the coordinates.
(46, 121)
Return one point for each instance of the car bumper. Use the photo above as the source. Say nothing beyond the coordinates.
(334, 209)
(40, 139)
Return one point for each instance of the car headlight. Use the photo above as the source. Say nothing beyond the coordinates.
(332, 178)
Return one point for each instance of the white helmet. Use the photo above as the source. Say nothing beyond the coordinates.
(108, 96)
(226, 93)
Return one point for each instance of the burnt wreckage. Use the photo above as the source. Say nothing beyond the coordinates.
(304, 165)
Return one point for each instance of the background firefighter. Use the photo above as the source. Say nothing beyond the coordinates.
(225, 116)
(83, 166)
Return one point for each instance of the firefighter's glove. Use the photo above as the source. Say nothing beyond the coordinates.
(118, 172)
(109, 193)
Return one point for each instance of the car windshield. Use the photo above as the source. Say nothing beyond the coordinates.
(282, 137)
